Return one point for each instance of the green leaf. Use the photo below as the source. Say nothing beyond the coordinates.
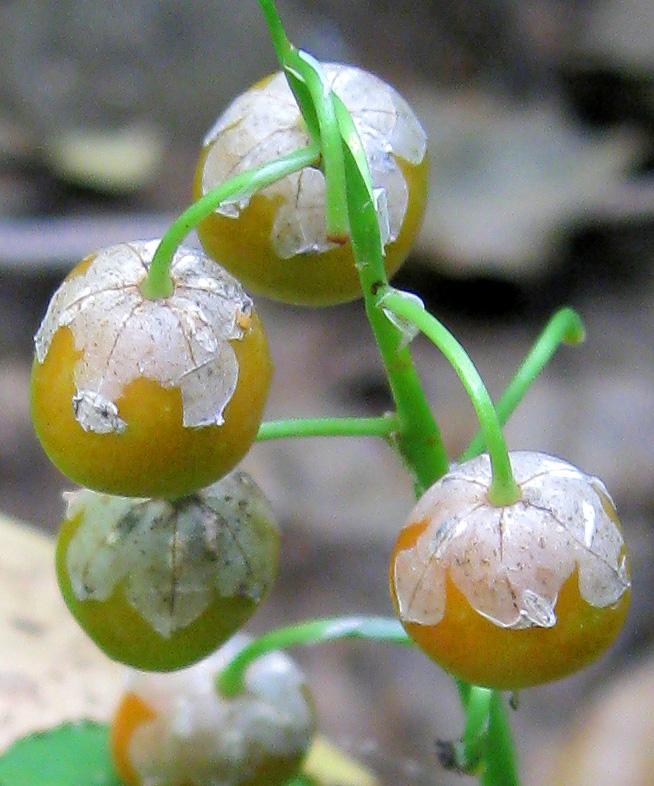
(74, 754)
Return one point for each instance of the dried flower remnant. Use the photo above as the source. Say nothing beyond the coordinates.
(185, 574)
(114, 370)
(548, 563)
(191, 734)
(288, 218)
(265, 123)
(180, 341)
(511, 562)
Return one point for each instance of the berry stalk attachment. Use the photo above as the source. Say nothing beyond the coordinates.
(503, 489)
(230, 681)
(516, 595)
(232, 191)
(141, 397)
(279, 241)
(113, 415)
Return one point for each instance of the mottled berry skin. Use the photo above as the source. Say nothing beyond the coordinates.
(125, 636)
(159, 585)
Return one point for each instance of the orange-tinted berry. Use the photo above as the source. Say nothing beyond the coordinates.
(132, 711)
(509, 597)
(140, 397)
(176, 729)
(276, 242)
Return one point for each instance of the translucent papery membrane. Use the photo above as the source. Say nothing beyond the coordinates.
(197, 736)
(264, 123)
(511, 562)
(173, 559)
(182, 341)
(407, 328)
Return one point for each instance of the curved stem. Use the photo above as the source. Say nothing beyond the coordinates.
(565, 327)
(230, 680)
(314, 96)
(158, 282)
(338, 229)
(418, 440)
(383, 426)
(503, 490)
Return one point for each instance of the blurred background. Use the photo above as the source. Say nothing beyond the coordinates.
(540, 115)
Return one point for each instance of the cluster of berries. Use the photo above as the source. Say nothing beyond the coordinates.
(149, 403)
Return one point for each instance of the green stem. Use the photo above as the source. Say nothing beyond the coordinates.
(338, 228)
(564, 327)
(282, 45)
(473, 747)
(503, 490)
(383, 426)
(286, 54)
(500, 759)
(158, 283)
(230, 681)
(465, 690)
(419, 440)
(314, 96)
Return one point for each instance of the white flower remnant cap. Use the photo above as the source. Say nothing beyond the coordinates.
(181, 341)
(173, 559)
(265, 123)
(511, 562)
(198, 736)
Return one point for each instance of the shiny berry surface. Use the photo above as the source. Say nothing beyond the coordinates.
(275, 242)
(139, 397)
(509, 597)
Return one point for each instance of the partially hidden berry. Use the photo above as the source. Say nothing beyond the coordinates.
(177, 730)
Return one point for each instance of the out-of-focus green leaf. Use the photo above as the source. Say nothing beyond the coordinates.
(74, 754)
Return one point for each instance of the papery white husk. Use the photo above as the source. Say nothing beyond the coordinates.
(265, 123)
(181, 341)
(201, 737)
(173, 559)
(511, 562)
